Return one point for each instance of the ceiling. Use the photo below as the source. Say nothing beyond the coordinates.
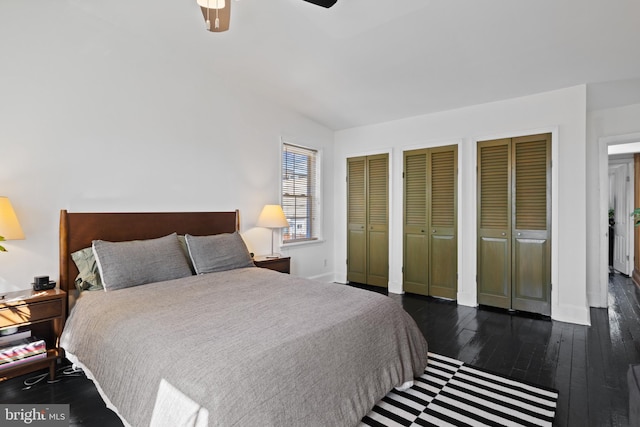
(369, 61)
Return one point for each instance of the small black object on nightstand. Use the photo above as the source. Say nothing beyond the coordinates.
(42, 283)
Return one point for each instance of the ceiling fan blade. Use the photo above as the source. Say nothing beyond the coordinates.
(323, 3)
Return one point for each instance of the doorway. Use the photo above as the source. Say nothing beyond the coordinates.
(621, 188)
(628, 143)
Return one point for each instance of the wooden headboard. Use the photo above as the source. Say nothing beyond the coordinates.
(78, 230)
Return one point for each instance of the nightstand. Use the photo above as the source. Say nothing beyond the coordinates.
(43, 312)
(281, 264)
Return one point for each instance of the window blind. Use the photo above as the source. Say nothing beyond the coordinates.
(300, 201)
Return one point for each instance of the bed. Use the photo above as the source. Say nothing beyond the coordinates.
(232, 347)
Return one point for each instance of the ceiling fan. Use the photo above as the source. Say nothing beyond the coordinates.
(220, 12)
(323, 3)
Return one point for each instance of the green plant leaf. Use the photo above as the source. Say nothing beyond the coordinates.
(2, 249)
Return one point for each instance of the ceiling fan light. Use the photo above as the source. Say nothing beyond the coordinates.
(217, 20)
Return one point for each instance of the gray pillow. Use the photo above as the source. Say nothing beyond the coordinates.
(183, 246)
(88, 278)
(133, 263)
(218, 252)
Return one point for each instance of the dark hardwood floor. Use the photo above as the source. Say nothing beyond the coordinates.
(587, 365)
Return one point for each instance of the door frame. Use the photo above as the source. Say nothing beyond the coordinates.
(599, 298)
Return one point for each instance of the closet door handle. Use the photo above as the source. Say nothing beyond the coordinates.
(433, 231)
(503, 233)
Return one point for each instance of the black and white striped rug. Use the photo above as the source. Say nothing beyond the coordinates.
(451, 393)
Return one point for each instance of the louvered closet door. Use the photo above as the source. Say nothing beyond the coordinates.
(430, 212)
(356, 220)
(531, 218)
(494, 223)
(378, 220)
(416, 243)
(442, 226)
(514, 223)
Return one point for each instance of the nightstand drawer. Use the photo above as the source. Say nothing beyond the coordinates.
(26, 313)
(283, 265)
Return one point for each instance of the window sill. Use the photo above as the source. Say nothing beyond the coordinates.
(304, 243)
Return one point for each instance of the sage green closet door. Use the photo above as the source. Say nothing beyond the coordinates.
(531, 278)
(430, 221)
(416, 242)
(378, 220)
(367, 220)
(443, 246)
(494, 219)
(514, 223)
(356, 220)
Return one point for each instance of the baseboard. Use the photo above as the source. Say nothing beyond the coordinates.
(469, 299)
(571, 314)
(595, 300)
(340, 278)
(327, 277)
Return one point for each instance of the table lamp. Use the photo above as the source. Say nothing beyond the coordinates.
(9, 226)
(272, 216)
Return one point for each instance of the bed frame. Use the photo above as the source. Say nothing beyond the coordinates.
(78, 230)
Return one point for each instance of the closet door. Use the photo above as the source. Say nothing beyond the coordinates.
(356, 220)
(416, 243)
(367, 220)
(532, 219)
(494, 223)
(378, 220)
(430, 225)
(514, 223)
(442, 223)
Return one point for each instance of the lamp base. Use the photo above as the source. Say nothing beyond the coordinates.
(272, 256)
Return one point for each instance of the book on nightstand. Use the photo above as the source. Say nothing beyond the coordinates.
(22, 351)
(6, 340)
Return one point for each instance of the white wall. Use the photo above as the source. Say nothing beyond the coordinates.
(612, 125)
(562, 112)
(93, 118)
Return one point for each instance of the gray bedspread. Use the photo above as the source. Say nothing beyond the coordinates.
(248, 347)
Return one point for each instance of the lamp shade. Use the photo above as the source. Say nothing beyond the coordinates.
(9, 226)
(272, 216)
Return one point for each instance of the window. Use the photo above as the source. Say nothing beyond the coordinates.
(300, 201)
